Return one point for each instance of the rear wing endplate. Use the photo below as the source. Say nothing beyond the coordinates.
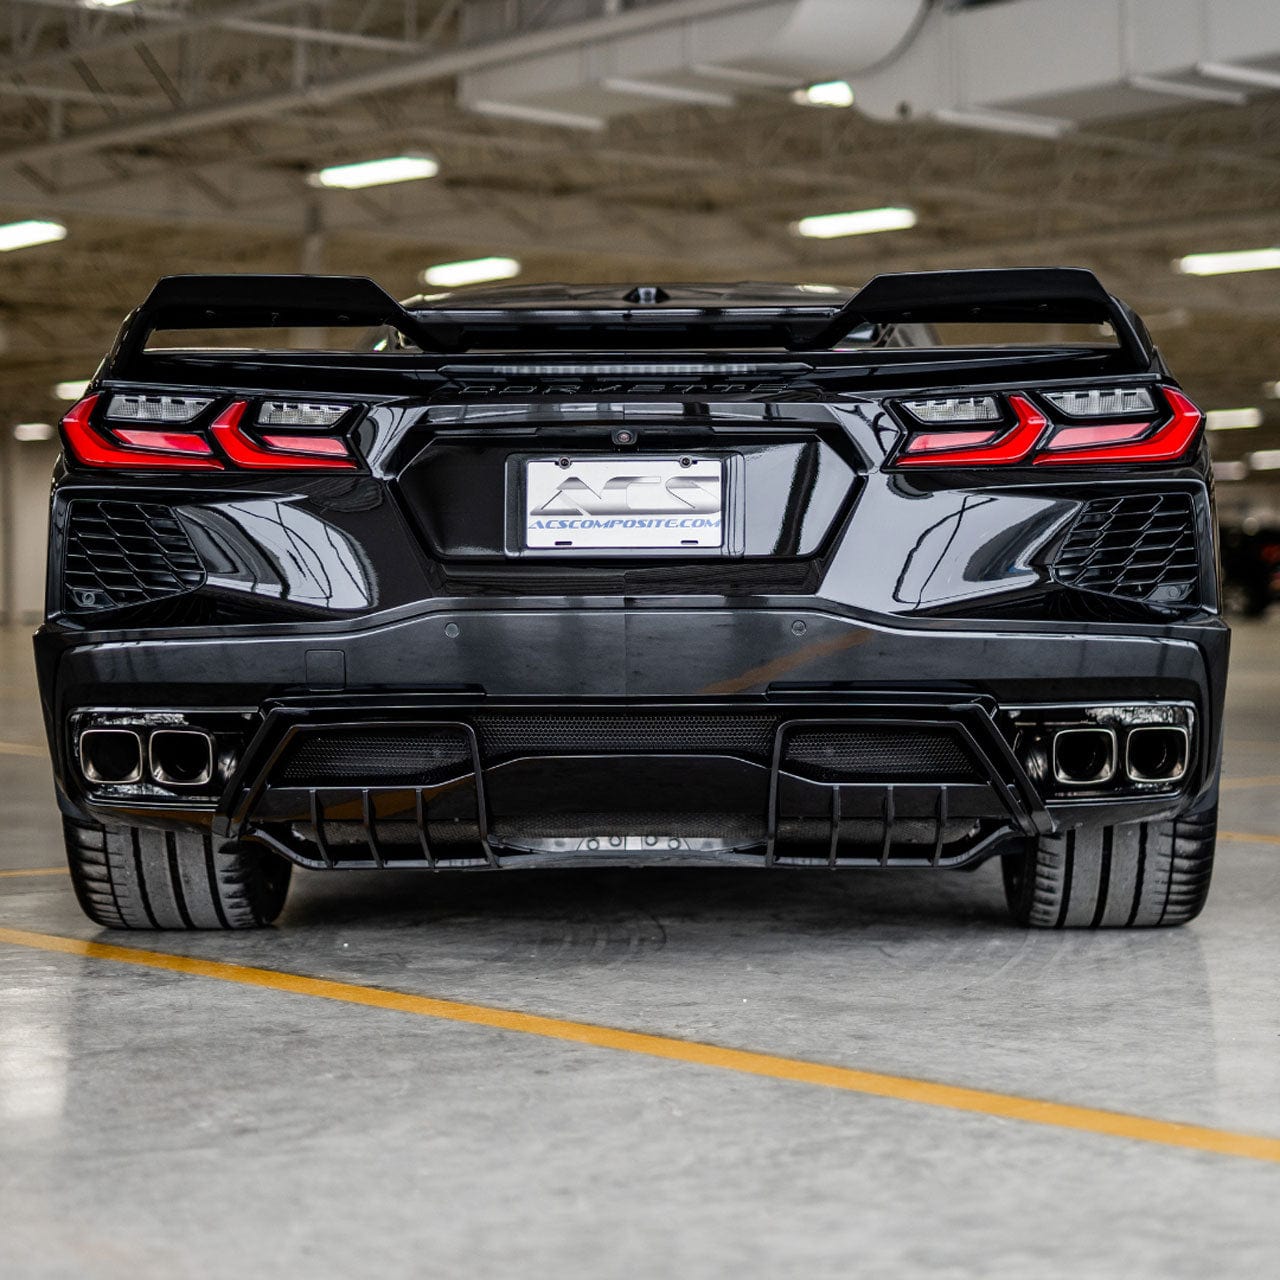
(1011, 295)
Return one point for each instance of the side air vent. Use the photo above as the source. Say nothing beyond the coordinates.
(878, 753)
(126, 553)
(1140, 546)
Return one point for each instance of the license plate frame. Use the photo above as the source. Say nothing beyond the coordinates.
(622, 505)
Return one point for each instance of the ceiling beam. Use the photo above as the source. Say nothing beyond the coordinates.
(394, 74)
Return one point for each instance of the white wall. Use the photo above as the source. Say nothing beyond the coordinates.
(25, 470)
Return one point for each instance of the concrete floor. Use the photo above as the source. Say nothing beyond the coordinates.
(157, 1124)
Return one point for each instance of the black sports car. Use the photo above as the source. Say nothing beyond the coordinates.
(747, 575)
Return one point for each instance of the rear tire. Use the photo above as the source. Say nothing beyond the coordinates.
(1138, 875)
(138, 878)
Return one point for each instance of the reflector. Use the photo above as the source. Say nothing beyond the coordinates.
(131, 408)
(1099, 402)
(289, 413)
(954, 409)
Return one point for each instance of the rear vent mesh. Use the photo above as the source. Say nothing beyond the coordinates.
(127, 553)
(504, 736)
(1142, 547)
(353, 756)
(879, 753)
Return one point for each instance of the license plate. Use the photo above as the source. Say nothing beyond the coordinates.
(623, 503)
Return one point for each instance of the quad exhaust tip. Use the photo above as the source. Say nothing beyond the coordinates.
(181, 757)
(1157, 753)
(111, 755)
(1084, 757)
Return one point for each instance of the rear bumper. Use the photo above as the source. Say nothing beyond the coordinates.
(452, 668)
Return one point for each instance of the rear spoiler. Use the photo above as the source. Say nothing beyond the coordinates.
(1017, 295)
(275, 302)
(1063, 295)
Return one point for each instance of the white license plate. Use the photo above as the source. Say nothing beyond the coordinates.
(623, 503)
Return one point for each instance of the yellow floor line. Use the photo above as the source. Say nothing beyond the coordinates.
(24, 749)
(1240, 784)
(1249, 837)
(876, 1084)
(33, 871)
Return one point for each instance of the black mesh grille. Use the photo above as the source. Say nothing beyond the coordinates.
(506, 735)
(879, 753)
(127, 553)
(351, 756)
(1142, 547)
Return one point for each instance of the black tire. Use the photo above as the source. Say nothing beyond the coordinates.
(136, 878)
(1134, 876)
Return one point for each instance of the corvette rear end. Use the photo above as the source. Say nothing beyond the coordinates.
(747, 575)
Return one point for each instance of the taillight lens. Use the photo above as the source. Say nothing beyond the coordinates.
(1002, 447)
(301, 452)
(133, 450)
(1034, 438)
(95, 439)
(1117, 442)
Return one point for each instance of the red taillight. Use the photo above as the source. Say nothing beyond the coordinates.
(142, 451)
(244, 451)
(1166, 443)
(939, 448)
(167, 441)
(133, 448)
(1034, 439)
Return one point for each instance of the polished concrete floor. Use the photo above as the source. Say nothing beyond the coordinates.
(164, 1124)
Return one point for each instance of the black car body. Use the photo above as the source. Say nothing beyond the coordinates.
(745, 575)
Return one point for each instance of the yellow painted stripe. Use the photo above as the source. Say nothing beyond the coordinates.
(24, 749)
(1248, 837)
(33, 871)
(1241, 784)
(928, 1093)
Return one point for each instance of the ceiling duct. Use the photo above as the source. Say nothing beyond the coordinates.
(700, 58)
(1039, 67)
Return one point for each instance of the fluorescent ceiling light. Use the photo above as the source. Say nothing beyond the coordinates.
(104, 4)
(1221, 264)
(1232, 419)
(33, 431)
(829, 93)
(1272, 390)
(451, 275)
(1004, 122)
(70, 390)
(1265, 460)
(376, 173)
(860, 222)
(23, 235)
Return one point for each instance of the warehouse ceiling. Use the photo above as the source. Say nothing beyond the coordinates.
(178, 135)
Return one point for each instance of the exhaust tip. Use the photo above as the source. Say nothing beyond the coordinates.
(1084, 757)
(111, 755)
(1157, 753)
(181, 757)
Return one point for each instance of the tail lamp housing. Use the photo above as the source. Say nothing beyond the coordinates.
(162, 432)
(1055, 428)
